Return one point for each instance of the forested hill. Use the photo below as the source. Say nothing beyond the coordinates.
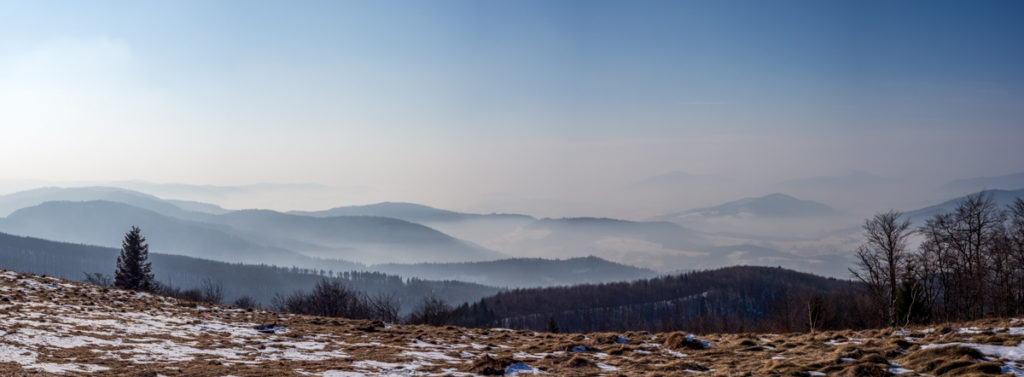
(728, 299)
(261, 282)
(523, 272)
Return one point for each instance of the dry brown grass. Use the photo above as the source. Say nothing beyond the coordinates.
(447, 350)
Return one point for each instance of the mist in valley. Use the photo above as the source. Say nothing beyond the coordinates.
(350, 168)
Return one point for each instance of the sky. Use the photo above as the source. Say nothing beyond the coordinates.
(544, 107)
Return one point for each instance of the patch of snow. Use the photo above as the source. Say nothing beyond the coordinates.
(62, 368)
(13, 354)
(520, 368)
(434, 355)
(338, 373)
(691, 338)
(1014, 353)
(674, 353)
(969, 330)
(421, 344)
(1014, 369)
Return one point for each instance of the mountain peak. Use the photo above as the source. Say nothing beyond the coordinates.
(775, 205)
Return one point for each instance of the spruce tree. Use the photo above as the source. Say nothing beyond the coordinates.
(133, 268)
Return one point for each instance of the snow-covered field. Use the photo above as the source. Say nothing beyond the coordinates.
(51, 326)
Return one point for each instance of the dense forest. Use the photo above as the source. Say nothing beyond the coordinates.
(723, 300)
(523, 272)
(261, 283)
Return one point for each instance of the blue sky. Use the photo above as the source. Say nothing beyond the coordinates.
(468, 100)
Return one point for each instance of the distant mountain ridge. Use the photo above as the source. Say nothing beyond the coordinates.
(253, 236)
(104, 223)
(264, 236)
(1003, 182)
(407, 233)
(22, 199)
(405, 211)
(1000, 197)
(367, 239)
(776, 205)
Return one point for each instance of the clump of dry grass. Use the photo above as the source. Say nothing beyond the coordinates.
(864, 370)
(999, 339)
(579, 362)
(954, 360)
(488, 366)
(680, 341)
(678, 367)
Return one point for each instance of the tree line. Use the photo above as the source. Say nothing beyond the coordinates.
(969, 263)
(731, 299)
(330, 297)
(728, 299)
(200, 280)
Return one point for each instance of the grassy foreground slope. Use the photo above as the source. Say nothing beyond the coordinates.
(50, 326)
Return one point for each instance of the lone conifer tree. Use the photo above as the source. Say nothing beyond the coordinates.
(133, 267)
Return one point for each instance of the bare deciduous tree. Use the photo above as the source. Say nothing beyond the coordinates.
(245, 302)
(329, 298)
(99, 278)
(385, 307)
(882, 258)
(211, 291)
(431, 311)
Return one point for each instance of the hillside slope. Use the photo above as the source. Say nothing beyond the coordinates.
(104, 223)
(755, 298)
(522, 272)
(1001, 198)
(260, 282)
(413, 212)
(774, 206)
(366, 239)
(55, 327)
(29, 198)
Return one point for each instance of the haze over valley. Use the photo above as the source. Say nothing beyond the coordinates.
(770, 230)
(510, 187)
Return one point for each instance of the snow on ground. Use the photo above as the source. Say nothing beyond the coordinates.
(56, 327)
(52, 327)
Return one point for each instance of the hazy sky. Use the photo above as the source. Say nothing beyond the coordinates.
(490, 105)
